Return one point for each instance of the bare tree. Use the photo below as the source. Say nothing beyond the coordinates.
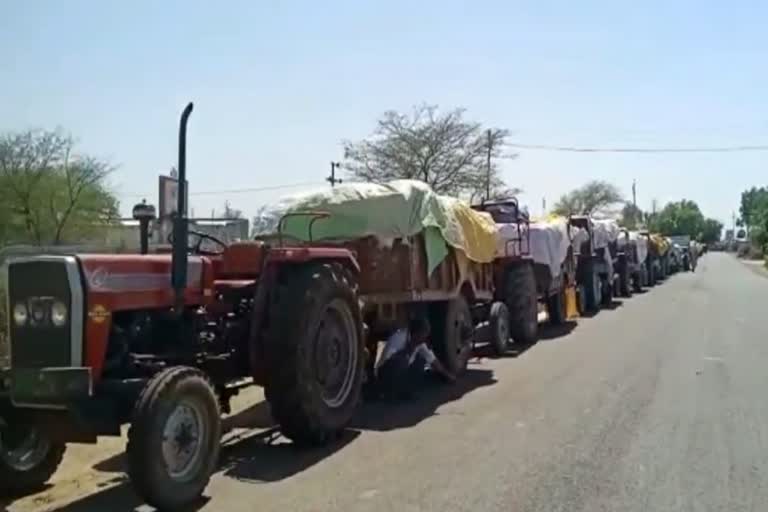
(49, 187)
(590, 198)
(442, 149)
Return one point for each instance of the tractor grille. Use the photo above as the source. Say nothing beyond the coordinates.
(42, 332)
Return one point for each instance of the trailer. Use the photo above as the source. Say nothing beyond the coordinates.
(418, 253)
(395, 285)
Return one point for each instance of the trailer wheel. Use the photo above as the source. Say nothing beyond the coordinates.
(315, 354)
(498, 320)
(593, 288)
(173, 442)
(556, 305)
(27, 459)
(522, 301)
(451, 323)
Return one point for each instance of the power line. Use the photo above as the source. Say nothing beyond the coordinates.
(237, 190)
(576, 149)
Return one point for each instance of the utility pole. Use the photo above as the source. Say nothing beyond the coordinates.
(488, 176)
(543, 206)
(634, 203)
(332, 179)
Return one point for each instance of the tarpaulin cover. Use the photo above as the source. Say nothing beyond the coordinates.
(397, 209)
(661, 244)
(641, 243)
(549, 241)
(604, 232)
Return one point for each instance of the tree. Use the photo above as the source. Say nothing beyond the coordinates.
(442, 149)
(49, 193)
(753, 202)
(711, 231)
(631, 216)
(590, 198)
(680, 218)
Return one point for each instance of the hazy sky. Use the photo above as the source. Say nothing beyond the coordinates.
(277, 85)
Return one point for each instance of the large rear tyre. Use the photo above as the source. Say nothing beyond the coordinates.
(607, 292)
(556, 306)
(593, 288)
(173, 442)
(28, 459)
(452, 330)
(625, 281)
(498, 320)
(521, 298)
(314, 349)
(651, 275)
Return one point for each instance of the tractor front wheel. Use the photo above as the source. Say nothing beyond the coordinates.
(173, 442)
(27, 459)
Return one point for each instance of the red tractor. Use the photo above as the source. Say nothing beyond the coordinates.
(163, 341)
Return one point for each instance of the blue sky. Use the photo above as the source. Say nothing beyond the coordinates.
(277, 85)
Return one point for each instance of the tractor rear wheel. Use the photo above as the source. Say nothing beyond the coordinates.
(593, 288)
(27, 459)
(314, 350)
(521, 298)
(174, 439)
(625, 280)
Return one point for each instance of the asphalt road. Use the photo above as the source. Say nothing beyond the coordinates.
(658, 404)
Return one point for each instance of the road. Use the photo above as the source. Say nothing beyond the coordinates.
(657, 404)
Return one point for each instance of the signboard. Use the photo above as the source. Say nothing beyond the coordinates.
(168, 196)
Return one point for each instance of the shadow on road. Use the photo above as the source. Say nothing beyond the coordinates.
(255, 417)
(256, 455)
(252, 455)
(385, 416)
(551, 331)
(615, 304)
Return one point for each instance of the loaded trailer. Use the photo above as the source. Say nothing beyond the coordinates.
(419, 254)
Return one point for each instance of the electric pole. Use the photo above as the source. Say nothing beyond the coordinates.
(635, 220)
(332, 179)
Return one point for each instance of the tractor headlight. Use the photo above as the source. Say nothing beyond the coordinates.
(59, 313)
(20, 314)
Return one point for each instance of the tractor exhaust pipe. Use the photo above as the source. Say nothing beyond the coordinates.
(180, 228)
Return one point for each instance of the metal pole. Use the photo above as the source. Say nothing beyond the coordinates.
(332, 178)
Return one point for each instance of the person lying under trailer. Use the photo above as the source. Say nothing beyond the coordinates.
(406, 355)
